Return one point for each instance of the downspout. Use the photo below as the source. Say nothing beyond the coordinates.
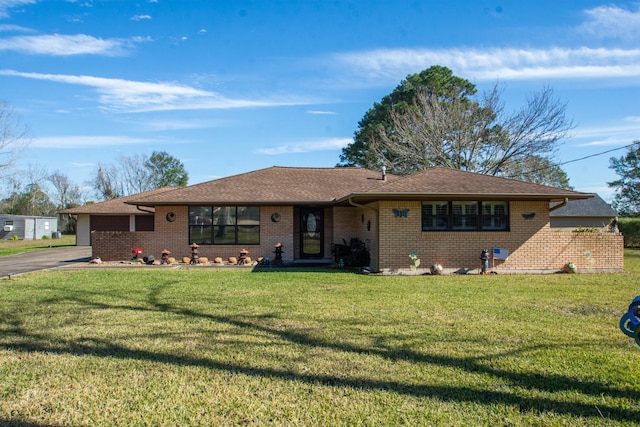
(559, 205)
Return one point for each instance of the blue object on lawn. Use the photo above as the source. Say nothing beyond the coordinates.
(630, 321)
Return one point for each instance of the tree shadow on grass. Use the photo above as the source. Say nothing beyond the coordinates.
(39, 342)
(4, 422)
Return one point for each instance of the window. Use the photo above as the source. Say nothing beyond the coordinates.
(224, 225)
(465, 216)
(435, 215)
(494, 216)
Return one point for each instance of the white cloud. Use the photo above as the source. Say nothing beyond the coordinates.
(619, 134)
(7, 28)
(384, 65)
(66, 45)
(137, 96)
(140, 17)
(5, 5)
(88, 141)
(318, 112)
(612, 22)
(606, 141)
(307, 146)
(186, 124)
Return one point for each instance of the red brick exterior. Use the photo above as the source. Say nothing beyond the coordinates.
(390, 239)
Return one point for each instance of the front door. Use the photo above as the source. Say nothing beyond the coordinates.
(311, 233)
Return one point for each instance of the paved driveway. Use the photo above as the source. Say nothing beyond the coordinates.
(43, 260)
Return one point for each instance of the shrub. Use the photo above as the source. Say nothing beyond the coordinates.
(630, 228)
(586, 230)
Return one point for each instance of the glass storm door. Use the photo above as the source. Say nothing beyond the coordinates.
(311, 233)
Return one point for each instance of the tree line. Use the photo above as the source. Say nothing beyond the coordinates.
(36, 191)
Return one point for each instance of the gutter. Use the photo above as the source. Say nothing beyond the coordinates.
(464, 196)
(142, 210)
(358, 205)
(559, 205)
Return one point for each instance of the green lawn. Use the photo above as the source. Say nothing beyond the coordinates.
(12, 247)
(206, 346)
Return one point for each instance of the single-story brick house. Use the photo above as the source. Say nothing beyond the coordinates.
(445, 216)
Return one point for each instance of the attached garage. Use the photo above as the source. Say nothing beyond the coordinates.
(112, 215)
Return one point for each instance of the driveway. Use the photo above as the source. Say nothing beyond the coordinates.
(43, 260)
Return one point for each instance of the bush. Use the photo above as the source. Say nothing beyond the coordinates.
(352, 254)
(630, 228)
(586, 230)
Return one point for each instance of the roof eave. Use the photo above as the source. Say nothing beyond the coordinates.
(465, 196)
(235, 202)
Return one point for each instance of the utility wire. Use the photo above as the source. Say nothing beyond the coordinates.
(579, 159)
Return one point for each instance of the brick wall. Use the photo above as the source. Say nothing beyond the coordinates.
(531, 243)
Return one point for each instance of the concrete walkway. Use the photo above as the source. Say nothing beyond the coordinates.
(43, 260)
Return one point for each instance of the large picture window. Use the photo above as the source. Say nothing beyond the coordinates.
(465, 216)
(224, 225)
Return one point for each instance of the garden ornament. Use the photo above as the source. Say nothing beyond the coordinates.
(630, 321)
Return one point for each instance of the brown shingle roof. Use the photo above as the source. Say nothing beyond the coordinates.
(291, 185)
(453, 183)
(274, 185)
(115, 206)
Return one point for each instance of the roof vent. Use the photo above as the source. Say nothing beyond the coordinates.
(384, 173)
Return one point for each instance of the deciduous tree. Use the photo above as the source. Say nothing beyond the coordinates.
(13, 136)
(138, 173)
(437, 119)
(65, 195)
(32, 200)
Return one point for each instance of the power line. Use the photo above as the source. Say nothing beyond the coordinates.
(599, 154)
(579, 159)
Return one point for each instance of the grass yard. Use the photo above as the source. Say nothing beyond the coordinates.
(202, 346)
(12, 247)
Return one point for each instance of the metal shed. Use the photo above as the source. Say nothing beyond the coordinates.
(28, 227)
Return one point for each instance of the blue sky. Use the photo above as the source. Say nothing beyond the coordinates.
(233, 86)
